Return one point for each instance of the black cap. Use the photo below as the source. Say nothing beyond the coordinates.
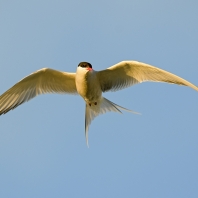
(84, 64)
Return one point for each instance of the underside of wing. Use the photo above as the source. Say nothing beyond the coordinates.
(128, 73)
(42, 81)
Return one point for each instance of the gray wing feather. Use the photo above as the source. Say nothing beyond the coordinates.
(40, 82)
(128, 73)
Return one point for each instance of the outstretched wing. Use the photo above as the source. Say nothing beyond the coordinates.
(128, 73)
(40, 82)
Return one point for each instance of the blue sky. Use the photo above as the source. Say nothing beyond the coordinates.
(43, 152)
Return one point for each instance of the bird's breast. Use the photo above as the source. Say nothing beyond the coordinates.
(88, 86)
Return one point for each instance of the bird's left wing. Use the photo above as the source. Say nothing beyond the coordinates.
(128, 73)
(42, 81)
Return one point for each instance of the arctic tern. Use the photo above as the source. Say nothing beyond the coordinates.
(89, 84)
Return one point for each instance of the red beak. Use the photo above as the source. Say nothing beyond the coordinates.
(89, 69)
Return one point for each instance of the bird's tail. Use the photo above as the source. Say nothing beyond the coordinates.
(104, 106)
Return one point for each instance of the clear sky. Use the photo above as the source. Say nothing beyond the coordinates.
(43, 152)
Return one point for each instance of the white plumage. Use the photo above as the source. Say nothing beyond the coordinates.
(88, 83)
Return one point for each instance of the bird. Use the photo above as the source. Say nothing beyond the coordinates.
(89, 84)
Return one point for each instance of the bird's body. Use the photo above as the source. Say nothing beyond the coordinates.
(89, 84)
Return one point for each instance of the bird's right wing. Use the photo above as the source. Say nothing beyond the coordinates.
(128, 73)
(40, 82)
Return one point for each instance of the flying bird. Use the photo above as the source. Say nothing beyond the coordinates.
(89, 84)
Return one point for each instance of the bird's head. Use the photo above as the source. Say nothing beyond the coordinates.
(85, 65)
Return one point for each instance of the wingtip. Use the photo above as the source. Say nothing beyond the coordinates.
(134, 112)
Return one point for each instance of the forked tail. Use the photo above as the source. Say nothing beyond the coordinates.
(103, 107)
